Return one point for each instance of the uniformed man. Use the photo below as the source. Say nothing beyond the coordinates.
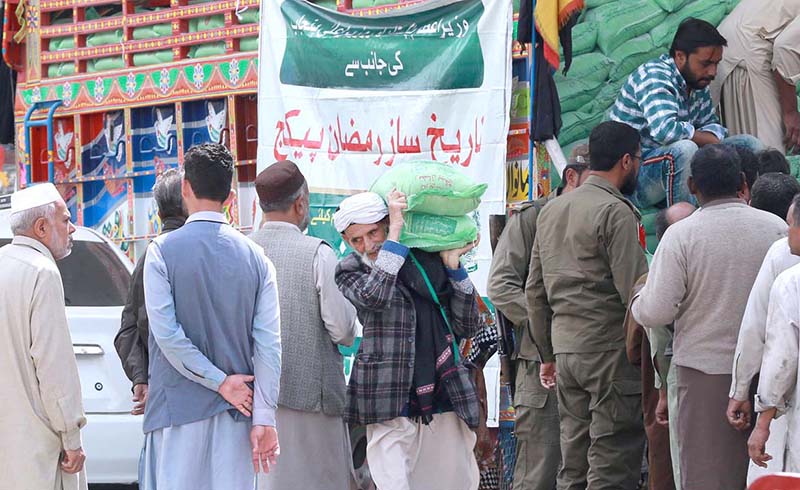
(586, 258)
(536, 427)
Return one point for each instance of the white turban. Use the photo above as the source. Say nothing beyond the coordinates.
(365, 208)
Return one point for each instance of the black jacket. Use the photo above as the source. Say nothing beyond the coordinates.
(131, 340)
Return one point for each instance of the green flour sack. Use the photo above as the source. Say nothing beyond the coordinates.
(584, 38)
(577, 125)
(605, 98)
(573, 93)
(589, 67)
(433, 233)
(432, 187)
(618, 26)
(630, 55)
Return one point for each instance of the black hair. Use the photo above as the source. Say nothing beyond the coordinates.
(749, 163)
(772, 160)
(695, 33)
(209, 170)
(662, 223)
(717, 171)
(774, 192)
(609, 142)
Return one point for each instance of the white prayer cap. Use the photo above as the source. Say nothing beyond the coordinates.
(33, 197)
(365, 208)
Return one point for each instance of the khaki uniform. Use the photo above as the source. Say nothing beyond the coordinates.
(536, 425)
(586, 258)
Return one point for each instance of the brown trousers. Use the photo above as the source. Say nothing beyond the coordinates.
(713, 454)
(659, 460)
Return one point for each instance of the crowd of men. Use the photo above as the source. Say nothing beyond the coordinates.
(619, 355)
(231, 340)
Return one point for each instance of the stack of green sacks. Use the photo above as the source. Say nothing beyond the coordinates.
(152, 32)
(440, 202)
(207, 24)
(248, 16)
(103, 38)
(65, 43)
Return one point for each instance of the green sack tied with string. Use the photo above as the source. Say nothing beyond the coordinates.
(432, 187)
(433, 233)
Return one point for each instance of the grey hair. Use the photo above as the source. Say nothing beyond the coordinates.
(22, 221)
(285, 203)
(167, 193)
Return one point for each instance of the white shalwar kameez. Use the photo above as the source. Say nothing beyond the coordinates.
(779, 369)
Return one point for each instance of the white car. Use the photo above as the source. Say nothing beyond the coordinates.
(96, 277)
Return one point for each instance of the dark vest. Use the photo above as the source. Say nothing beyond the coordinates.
(312, 378)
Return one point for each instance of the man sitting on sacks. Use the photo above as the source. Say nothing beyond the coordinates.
(409, 385)
(668, 101)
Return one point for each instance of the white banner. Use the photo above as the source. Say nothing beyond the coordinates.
(347, 98)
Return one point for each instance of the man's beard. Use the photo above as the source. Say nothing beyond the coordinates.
(365, 256)
(629, 186)
(692, 81)
(64, 252)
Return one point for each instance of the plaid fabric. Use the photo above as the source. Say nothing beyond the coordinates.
(656, 101)
(382, 371)
(490, 479)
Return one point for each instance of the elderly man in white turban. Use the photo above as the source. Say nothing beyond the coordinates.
(42, 411)
(409, 385)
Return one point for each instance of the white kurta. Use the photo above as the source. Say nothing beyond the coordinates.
(760, 40)
(750, 348)
(42, 410)
(779, 376)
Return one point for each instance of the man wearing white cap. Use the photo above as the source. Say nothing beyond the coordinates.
(42, 410)
(409, 386)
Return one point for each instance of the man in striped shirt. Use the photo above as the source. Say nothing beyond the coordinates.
(669, 102)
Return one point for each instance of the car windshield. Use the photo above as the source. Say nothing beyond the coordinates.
(92, 275)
